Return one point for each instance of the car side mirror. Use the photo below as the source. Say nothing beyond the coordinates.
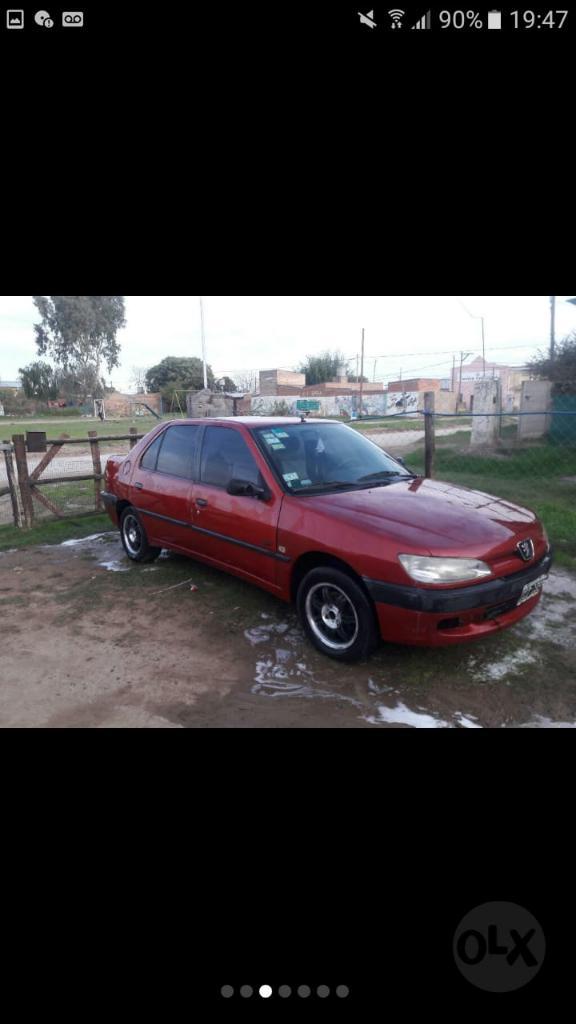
(401, 461)
(246, 489)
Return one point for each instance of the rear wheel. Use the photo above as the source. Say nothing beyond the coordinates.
(134, 539)
(337, 615)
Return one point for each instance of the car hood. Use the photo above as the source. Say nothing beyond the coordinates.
(435, 516)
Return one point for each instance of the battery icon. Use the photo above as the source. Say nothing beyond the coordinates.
(494, 19)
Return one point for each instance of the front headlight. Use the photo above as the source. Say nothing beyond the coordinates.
(426, 569)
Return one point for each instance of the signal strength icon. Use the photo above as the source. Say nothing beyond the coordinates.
(424, 21)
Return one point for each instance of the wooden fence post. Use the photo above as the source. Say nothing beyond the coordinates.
(97, 464)
(19, 442)
(429, 434)
(134, 439)
(16, 510)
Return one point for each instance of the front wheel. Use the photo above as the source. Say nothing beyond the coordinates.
(134, 539)
(337, 615)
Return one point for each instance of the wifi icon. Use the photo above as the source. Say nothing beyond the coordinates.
(396, 16)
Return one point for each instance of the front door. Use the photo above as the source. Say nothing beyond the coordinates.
(238, 532)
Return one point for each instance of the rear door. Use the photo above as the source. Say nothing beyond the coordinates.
(162, 486)
(238, 532)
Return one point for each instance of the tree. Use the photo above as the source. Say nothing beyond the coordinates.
(353, 379)
(80, 330)
(178, 374)
(225, 384)
(80, 382)
(138, 378)
(319, 369)
(562, 369)
(40, 380)
(245, 382)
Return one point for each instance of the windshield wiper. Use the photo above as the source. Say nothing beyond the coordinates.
(327, 484)
(387, 473)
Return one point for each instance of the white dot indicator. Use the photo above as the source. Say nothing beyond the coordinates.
(265, 991)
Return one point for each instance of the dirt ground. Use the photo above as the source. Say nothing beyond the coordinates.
(91, 640)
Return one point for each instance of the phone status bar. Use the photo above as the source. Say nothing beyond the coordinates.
(475, 20)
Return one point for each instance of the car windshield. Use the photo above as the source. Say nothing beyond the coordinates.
(313, 457)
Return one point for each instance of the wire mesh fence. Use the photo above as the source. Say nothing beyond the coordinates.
(528, 459)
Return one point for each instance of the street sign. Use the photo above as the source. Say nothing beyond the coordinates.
(308, 404)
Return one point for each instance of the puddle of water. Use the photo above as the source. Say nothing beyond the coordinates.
(506, 666)
(551, 621)
(114, 566)
(541, 722)
(560, 583)
(278, 676)
(262, 634)
(81, 540)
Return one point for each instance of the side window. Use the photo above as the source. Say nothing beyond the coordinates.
(150, 456)
(177, 453)
(226, 457)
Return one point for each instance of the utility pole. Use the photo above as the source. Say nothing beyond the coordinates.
(552, 326)
(453, 372)
(463, 356)
(203, 344)
(362, 372)
(483, 349)
(374, 374)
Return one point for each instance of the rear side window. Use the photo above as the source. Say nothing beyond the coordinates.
(177, 452)
(151, 454)
(226, 457)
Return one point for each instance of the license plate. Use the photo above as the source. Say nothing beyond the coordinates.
(531, 589)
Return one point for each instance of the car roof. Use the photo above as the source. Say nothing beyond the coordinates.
(256, 421)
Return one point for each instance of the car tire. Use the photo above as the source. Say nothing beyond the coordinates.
(337, 615)
(134, 539)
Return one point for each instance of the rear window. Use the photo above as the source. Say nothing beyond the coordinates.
(151, 454)
(177, 452)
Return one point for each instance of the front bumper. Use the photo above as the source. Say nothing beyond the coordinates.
(426, 616)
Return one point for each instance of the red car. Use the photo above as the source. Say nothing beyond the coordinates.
(316, 513)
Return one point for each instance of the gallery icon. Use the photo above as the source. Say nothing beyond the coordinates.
(14, 19)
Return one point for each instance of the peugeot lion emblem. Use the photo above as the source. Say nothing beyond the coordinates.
(526, 549)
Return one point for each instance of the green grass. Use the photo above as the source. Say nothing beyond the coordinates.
(77, 427)
(397, 423)
(54, 531)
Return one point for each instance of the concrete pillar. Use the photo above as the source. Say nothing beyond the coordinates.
(535, 398)
(486, 400)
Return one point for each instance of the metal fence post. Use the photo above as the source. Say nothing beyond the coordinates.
(429, 434)
(134, 439)
(97, 464)
(19, 442)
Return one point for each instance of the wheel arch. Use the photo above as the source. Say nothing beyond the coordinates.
(316, 559)
(121, 507)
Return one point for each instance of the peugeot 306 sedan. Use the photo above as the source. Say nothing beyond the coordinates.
(318, 514)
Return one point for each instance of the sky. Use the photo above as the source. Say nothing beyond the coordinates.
(408, 335)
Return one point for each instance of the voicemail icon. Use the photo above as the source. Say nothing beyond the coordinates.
(72, 19)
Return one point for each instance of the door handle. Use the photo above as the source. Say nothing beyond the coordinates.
(201, 503)
(139, 487)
